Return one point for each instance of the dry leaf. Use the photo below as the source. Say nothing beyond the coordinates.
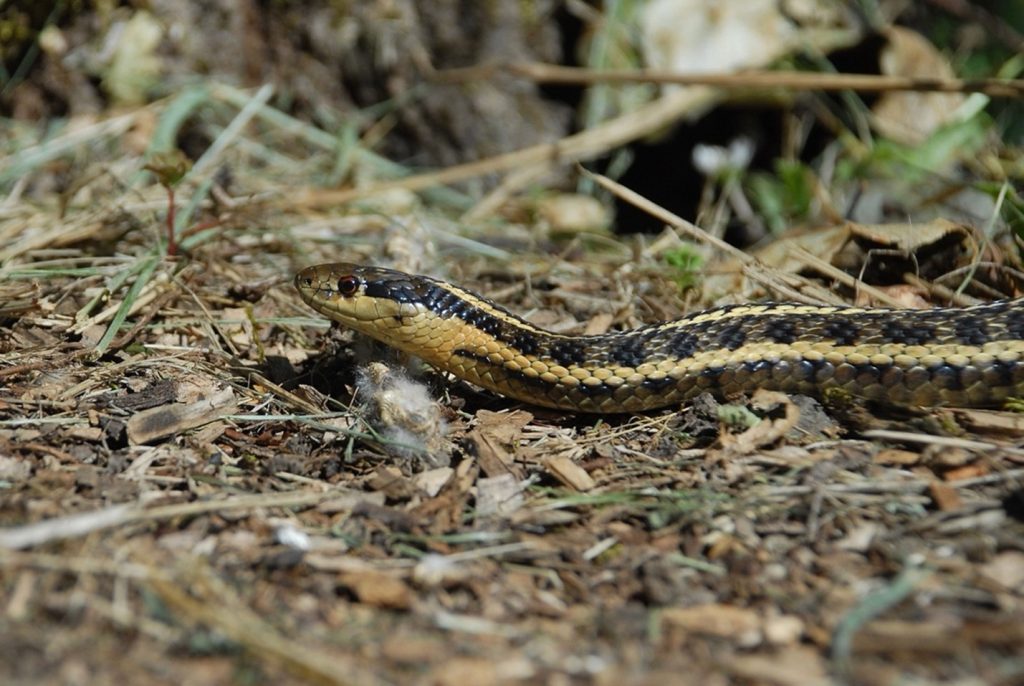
(910, 117)
(693, 36)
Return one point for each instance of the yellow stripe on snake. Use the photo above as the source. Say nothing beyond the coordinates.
(968, 357)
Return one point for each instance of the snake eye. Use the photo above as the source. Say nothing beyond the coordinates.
(348, 285)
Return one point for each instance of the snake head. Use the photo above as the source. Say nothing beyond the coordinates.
(357, 295)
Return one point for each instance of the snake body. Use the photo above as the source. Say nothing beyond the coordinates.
(968, 357)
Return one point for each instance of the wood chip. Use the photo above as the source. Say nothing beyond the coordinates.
(796, 666)
(859, 538)
(970, 471)
(378, 589)
(894, 456)
(715, 619)
(498, 495)
(158, 423)
(433, 480)
(346, 502)
(456, 671)
(14, 469)
(945, 496)
(569, 473)
(92, 434)
(392, 482)
(598, 324)
(989, 421)
(154, 395)
(495, 440)
(783, 629)
(1006, 569)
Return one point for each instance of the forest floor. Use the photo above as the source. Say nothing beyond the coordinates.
(204, 481)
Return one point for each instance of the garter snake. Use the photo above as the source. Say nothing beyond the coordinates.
(969, 357)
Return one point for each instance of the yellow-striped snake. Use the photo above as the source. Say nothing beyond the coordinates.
(970, 357)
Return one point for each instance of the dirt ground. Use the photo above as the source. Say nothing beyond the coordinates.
(203, 481)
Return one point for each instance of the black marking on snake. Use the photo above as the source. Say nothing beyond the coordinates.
(998, 307)
(454, 307)
(843, 330)
(400, 292)
(908, 332)
(525, 342)
(684, 344)
(447, 304)
(947, 376)
(733, 335)
(593, 390)
(506, 328)
(781, 330)
(1015, 372)
(629, 351)
(804, 370)
(971, 330)
(865, 371)
(567, 352)
(1015, 323)
(485, 321)
(658, 384)
(756, 366)
(998, 374)
(723, 309)
(712, 373)
(438, 300)
(702, 328)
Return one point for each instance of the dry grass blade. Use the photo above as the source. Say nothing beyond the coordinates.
(73, 526)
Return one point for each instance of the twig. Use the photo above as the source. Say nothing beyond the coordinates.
(789, 80)
(945, 441)
(72, 526)
(826, 269)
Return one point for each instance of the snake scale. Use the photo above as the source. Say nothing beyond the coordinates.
(969, 357)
